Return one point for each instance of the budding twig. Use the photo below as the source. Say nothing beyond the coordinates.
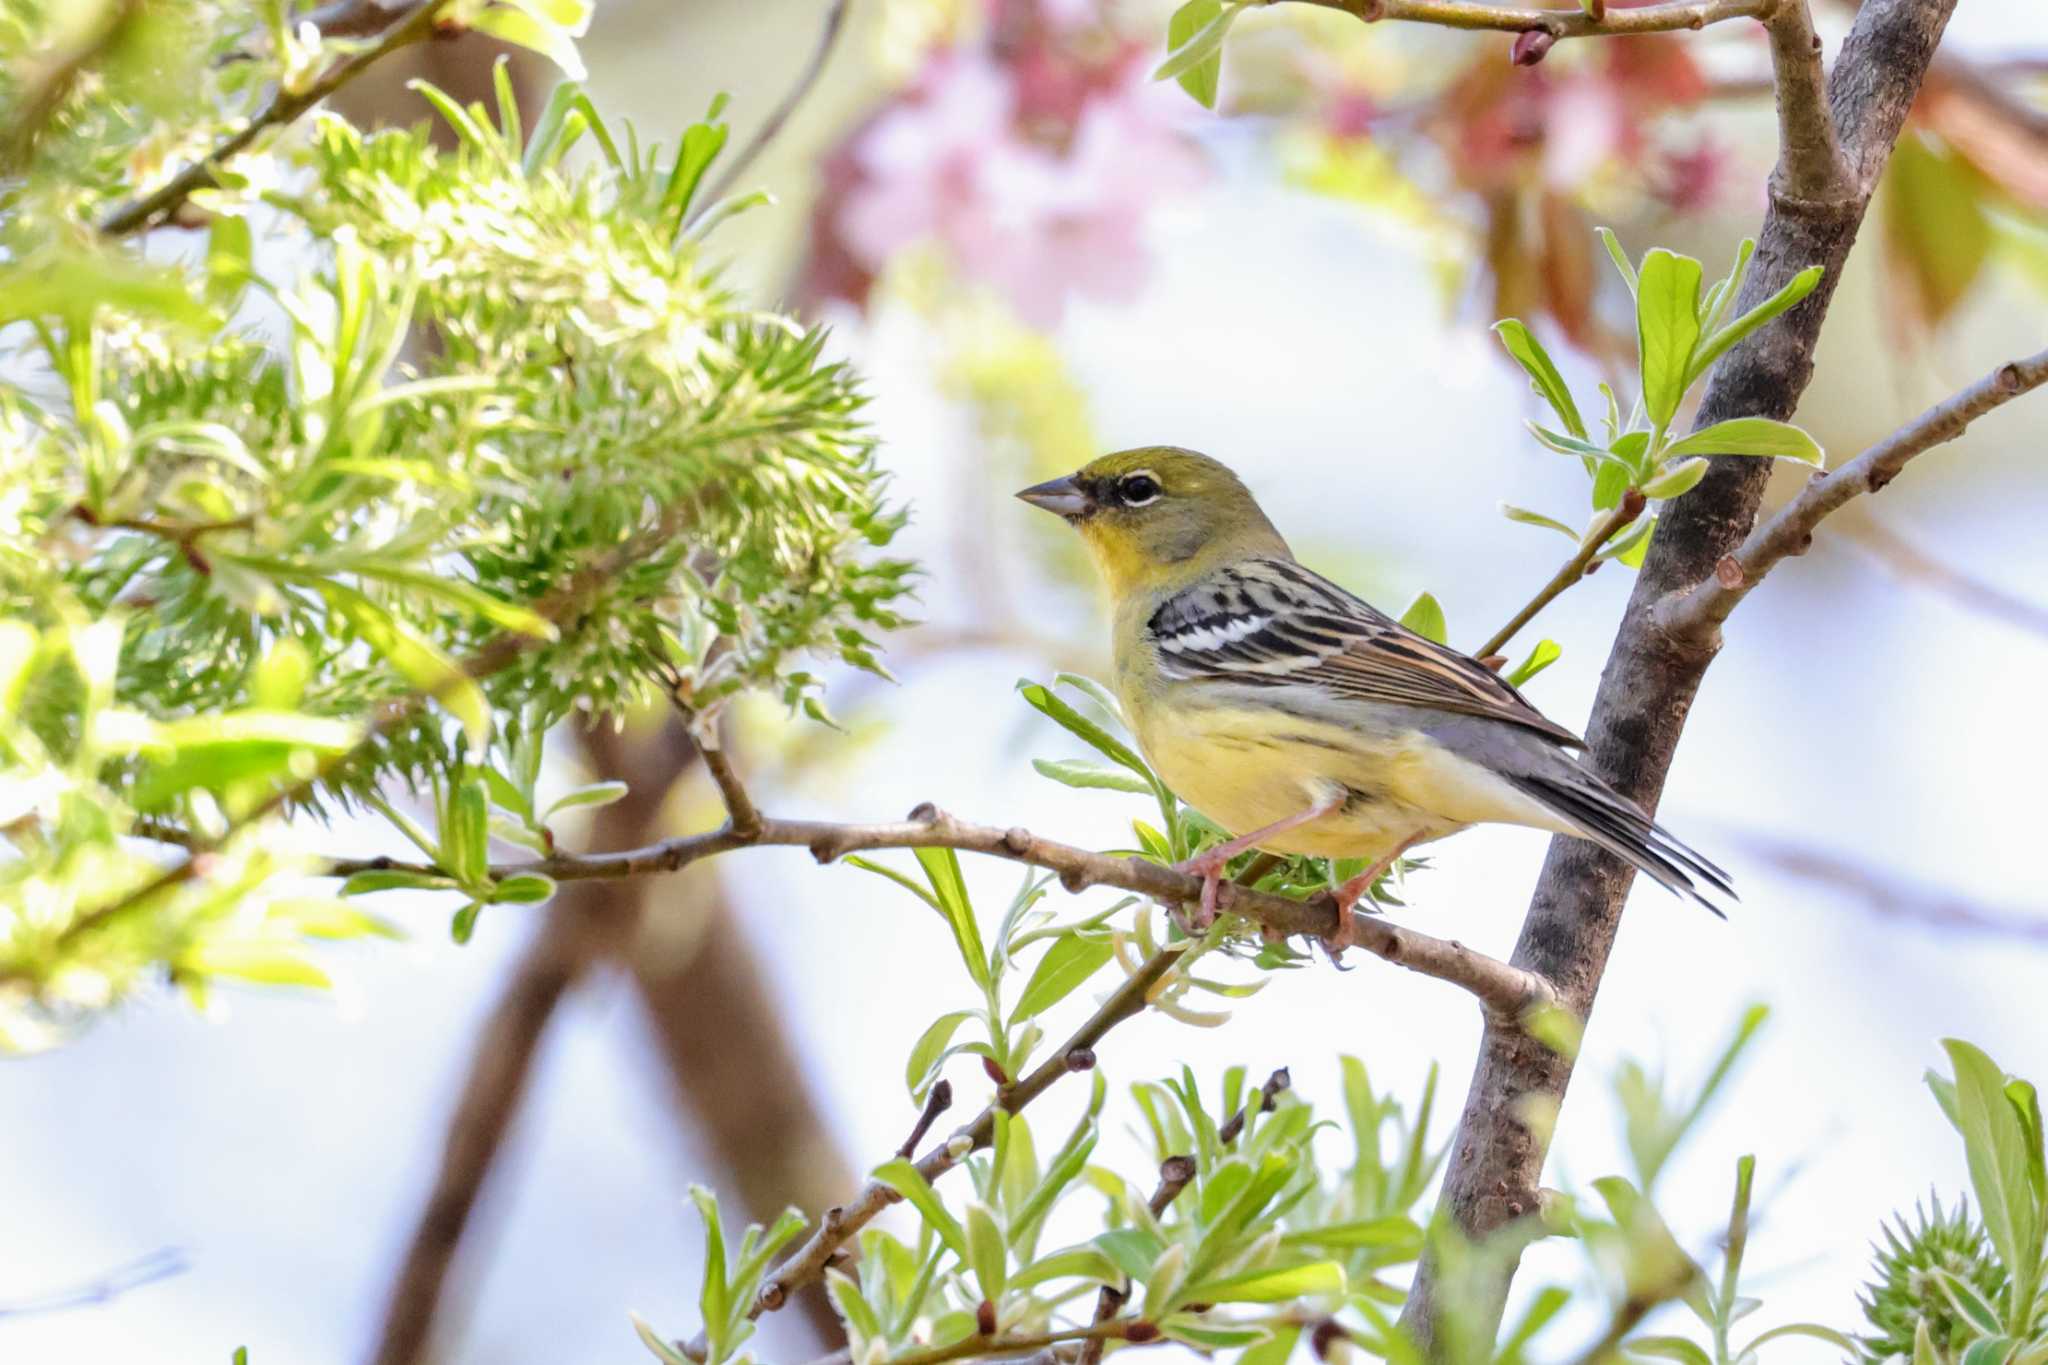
(1264, 1101)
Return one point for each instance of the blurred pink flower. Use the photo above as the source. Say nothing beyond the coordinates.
(1037, 207)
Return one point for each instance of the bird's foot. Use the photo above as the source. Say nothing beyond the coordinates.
(1356, 890)
(1209, 867)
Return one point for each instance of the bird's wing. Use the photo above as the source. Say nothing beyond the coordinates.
(1271, 621)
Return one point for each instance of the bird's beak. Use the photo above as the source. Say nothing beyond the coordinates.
(1062, 497)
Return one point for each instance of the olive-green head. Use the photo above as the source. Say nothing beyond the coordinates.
(1159, 515)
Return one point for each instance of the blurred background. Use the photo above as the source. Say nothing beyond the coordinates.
(1035, 253)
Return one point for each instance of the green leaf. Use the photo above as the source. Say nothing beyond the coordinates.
(1395, 1230)
(924, 1055)
(536, 35)
(2026, 1103)
(1425, 616)
(465, 842)
(1609, 484)
(1131, 1250)
(1618, 256)
(1081, 772)
(1996, 1145)
(596, 794)
(1841, 1341)
(230, 248)
(1080, 1262)
(420, 662)
(987, 1251)
(1528, 352)
(904, 1178)
(1066, 965)
(701, 144)
(1195, 1331)
(652, 1340)
(1937, 233)
(1528, 518)
(1667, 329)
(713, 1300)
(1965, 1299)
(1794, 289)
(1749, 436)
(870, 865)
(363, 883)
(525, 888)
(863, 1324)
(942, 869)
(1043, 700)
(1632, 547)
(464, 922)
(1194, 41)
(1987, 1351)
(1669, 1348)
(1676, 479)
(323, 917)
(1546, 653)
(1270, 1285)
(268, 964)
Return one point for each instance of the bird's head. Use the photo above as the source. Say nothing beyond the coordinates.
(1158, 515)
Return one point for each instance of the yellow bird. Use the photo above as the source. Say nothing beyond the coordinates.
(1297, 716)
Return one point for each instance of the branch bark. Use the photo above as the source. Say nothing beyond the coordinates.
(1700, 611)
(285, 106)
(1507, 992)
(1558, 23)
(1651, 677)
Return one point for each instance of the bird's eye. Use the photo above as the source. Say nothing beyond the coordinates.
(1135, 490)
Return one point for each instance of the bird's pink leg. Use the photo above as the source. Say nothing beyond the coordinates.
(1353, 891)
(1209, 864)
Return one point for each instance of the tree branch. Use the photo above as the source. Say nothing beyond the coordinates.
(1174, 1174)
(828, 37)
(1810, 160)
(1558, 23)
(842, 1222)
(1574, 569)
(1498, 1152)
(285, 106)
(1702, 609)
(1505, 991)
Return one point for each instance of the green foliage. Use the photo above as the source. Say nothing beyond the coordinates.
(1680, 333)
(1909, 1292)
(1194, 46)
(517, 456)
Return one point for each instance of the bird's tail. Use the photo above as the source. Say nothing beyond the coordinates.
(1605, 817)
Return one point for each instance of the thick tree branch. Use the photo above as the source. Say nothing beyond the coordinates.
(285, 107)
(1810, 160)
(1558, 23)
(1505, 991)
(1705, 606)
(1498, 1152)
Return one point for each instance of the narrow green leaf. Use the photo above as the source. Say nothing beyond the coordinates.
(1749, 436)
(1546, 653)
(1270, 1285)
(526, 888)
(1717, 345)
(987, 1252)
(1996, 1146)
(363, 883)
(1194, 40)
(1669, 1348)
(1042, 699)
(713, 1300)
(463, 925)
(1066, 965)
(1528, 352)
(904, 1178)
(919, 1072)
(268, 964)
(1667, 329)
(664, 1351)
(1529, 518)
(1618, 256)
(1965, 1299)
(596, 794)
(1081, 772)
(942, 869)
(1425, 616)
(1676, 479)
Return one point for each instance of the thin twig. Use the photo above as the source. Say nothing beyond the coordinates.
(1263, 1102)
(1134, 1330)
(828, 37)
(1505, 991)
(1174, 1174)
(285, 106)
(1574, 569)
(1695, 614)
(936, 1103)
(844, 1221)
(1558, 23)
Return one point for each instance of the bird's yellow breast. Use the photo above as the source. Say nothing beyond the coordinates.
(1248, 767)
